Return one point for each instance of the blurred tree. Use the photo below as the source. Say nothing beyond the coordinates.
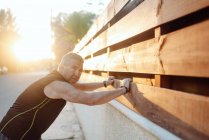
(78, 23)
(68, 30)
(8, 36)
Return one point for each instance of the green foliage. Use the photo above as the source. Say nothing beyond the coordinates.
(78, 24)
(68, 29)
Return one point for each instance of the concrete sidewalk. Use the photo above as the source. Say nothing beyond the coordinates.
(65, 127)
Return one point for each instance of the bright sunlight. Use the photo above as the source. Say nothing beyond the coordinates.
(27, 51)
(33, 23)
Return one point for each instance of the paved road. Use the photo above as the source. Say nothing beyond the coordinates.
(66, 126)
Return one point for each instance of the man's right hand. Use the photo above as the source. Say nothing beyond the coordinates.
(127, 83)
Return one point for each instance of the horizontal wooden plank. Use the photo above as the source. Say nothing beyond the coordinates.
(145, 81)
(185, 112)
(183, 52)
(182, 113)
(173, 9)
(118, 5)
(147, 15)
(97, 44)
(111, 10)
(106, 16)
(96, 63)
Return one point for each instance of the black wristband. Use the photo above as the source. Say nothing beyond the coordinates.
(126, 89)
(105, 83)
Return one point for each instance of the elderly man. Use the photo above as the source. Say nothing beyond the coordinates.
(39, 105)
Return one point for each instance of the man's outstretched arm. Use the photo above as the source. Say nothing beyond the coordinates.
(94, 85)
(63, 90)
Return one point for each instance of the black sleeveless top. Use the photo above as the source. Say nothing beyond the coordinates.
(33, 112)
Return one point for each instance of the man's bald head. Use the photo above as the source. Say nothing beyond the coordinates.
(71, 67)
(66, 59)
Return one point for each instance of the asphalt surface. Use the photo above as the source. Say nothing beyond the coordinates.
(65, 127)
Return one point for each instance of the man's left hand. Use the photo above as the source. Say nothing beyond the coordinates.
(110, 80)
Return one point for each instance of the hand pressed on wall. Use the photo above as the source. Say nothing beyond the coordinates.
(127, 84)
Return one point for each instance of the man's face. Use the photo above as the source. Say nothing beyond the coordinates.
(73, 71)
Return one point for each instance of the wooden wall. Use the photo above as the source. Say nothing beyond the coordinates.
(163, 45)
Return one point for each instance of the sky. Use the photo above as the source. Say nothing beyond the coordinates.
(33, 22)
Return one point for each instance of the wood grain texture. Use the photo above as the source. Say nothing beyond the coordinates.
(184, 114)
(147, 15)
(183, 52)
(111, 10)
(181, 113)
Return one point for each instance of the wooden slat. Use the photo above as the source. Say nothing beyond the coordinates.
(184, 52)
(106, 16)
(97, 44)
(145, 81)
(118, 5)
(86, 38)
(98, 62)
(147, 15)
(176, 111)
(184, 114)
(162, 81)
(173, 9)
(112, 9)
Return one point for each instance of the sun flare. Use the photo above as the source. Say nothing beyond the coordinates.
(26, 51)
